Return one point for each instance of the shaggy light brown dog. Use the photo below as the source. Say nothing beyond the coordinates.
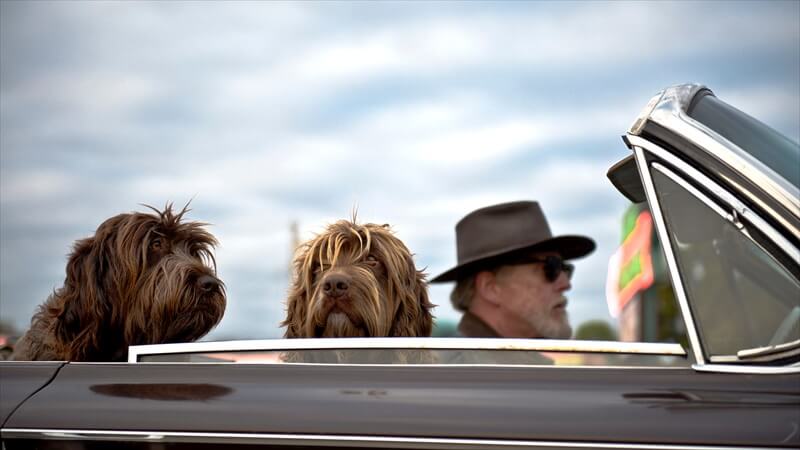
(141, 279)
(357, 280)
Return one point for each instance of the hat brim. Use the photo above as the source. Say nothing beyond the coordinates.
(569, 247)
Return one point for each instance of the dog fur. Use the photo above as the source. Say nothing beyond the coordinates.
(357, 281)
(143, 278)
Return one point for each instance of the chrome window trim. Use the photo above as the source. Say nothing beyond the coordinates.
(658, 167)
(638, 124)
(750, 370)
(737, 205)
(465, 365)
(332, 440)
(739, 212)
(553, 345)
(669, 112)
(669, 254)
(640, 146)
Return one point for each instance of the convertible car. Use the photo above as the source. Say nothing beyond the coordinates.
(723, 192)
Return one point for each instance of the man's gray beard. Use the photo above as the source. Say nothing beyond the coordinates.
(552, 329)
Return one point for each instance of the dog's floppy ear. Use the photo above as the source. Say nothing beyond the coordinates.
(295, 312)
(80, 303)
(297, 301)
(413, 317)
(424, 325)
(74, 298)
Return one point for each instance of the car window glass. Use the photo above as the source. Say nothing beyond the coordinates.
(422, 356)
(742, 298)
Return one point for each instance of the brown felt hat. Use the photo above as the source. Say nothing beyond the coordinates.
(491, 235)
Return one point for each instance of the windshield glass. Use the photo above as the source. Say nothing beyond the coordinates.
(741, 296)
(775, 150)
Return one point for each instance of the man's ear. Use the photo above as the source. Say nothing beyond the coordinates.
(486, 286)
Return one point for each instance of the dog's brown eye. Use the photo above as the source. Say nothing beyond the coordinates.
(155, 244)
(372, 261)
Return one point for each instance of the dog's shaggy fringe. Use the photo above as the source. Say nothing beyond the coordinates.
(388, 298)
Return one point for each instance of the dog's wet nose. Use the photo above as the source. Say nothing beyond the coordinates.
(208, 283)
(336, 285)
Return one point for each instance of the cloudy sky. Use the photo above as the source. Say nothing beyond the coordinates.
(266, 113)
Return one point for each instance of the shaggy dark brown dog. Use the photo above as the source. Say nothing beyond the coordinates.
(141, 279)
(357, 280)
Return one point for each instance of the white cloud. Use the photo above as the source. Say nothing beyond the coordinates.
(34, 185)
(293, 115)
(596, 35)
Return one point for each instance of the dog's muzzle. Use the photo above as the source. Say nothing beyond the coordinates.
(336, 286)
(209, 283)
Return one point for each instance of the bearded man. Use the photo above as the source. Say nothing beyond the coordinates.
(512, 273)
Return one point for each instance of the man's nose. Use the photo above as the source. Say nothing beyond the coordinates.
(563, 282)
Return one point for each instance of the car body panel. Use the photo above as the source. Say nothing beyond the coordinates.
(19, 380)
(636, 405)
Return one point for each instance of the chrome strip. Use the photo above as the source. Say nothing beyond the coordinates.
(692, 190)
(753, 370)
(669, 113)
(641, 119)
(332, 440)
(793, 253)
(771, 349)
(546, 366)
(737, 205)
(666, 245)
(544, 345)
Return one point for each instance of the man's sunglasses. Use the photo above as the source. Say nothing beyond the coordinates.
(553, 266)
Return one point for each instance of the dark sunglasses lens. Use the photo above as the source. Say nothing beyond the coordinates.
(553, 265)
(569, 268)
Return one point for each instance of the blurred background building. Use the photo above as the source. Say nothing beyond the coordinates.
(638, 289)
